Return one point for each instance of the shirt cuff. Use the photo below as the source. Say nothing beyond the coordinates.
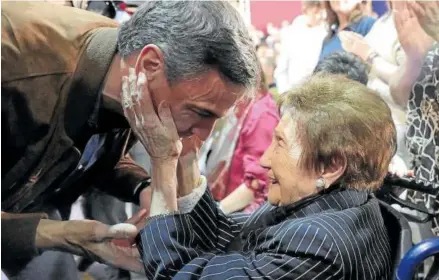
(187, 203)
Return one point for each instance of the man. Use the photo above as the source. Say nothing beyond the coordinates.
(63, 124)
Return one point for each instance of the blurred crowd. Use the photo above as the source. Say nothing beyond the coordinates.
(395, 54)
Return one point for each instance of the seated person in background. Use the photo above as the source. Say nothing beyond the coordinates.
(345, 64)
(329, 152)
(235, 177)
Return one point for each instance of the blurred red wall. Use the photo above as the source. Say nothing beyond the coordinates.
(263, 12)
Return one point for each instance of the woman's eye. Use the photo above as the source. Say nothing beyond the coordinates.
(278, 140)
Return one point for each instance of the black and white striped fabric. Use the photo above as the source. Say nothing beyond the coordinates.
(338, 235)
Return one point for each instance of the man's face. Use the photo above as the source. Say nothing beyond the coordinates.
(196, 103)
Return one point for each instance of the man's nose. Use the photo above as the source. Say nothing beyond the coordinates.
(204, 129)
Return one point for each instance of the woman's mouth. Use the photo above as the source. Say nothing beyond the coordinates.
(272, 179)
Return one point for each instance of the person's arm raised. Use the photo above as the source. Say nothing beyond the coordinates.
(415, 43)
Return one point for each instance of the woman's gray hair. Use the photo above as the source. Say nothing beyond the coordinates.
(194, 36)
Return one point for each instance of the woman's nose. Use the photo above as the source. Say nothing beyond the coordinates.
(265, 160)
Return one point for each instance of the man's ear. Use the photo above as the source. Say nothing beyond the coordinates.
(335, 170)
(151, 62)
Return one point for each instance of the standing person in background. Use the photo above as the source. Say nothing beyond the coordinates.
(382, 50)
(235, 177)
(301, 46)
(343, 15)
(416, 85)
(368, 8)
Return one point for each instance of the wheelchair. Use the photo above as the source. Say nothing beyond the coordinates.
(408, 258)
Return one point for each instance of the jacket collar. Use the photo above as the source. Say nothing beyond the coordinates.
(83, 99)
(330, 200)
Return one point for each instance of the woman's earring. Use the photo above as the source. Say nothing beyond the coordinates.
(320, 184)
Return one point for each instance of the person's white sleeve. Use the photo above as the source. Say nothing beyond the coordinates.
(187, 203)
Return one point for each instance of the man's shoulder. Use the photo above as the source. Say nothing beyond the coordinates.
(42, 39)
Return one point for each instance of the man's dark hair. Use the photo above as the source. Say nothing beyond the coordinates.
(194, 36)
(346, 64)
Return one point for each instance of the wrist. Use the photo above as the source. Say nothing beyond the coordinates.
(164, 186)
(163, 203)
(164, 162)
(49, 234)
(414, 61)
(371, 56)
(188, 176)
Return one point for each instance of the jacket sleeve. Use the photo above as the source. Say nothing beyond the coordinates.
(124, 179)
(190, 246)
(18, 240)
(123, 182)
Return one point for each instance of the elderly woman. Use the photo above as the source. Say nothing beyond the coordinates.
(329, 152)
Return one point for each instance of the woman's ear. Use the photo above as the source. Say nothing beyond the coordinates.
(335, 170)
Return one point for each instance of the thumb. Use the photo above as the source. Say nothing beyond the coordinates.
(138, 217)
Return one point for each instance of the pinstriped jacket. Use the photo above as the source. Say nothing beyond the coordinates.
(336, 235)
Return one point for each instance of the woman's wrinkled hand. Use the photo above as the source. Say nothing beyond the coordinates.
(156, 131)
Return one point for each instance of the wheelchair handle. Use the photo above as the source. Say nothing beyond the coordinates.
(427, 187)
(415, 256)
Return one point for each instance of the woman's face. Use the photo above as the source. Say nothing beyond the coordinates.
(313, 14)
(343, 6)
(288, 182)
